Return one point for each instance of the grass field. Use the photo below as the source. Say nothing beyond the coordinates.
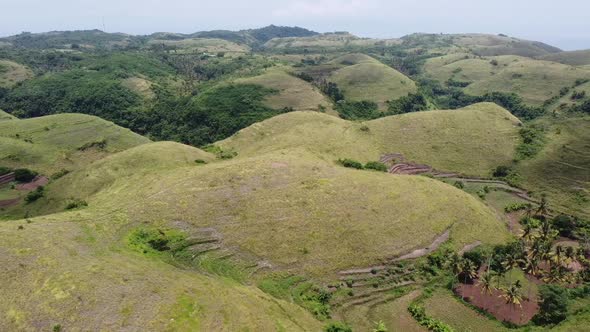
(534, 80)
(11, 73)
(139, 85)
(5, 116)
(472, 141)
(208, 45)
(292, 92)
(567, 101)
(79, 275)
(51, 143)
(327, 41)
(364, 78)
(573, 58)
(566, 157)
(285, 208)
(443, 306)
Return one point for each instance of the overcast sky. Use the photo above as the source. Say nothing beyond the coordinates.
(563, 23)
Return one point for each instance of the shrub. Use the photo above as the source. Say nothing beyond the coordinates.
(350, 163)
(513, 207)
(35, 194)
(577, 95)
(100, 144)
(76, 203)
(566, 225)
(501, 171)
(200, 161)
(337, 327)
(377, 166)
(5, 170)
(494, 62)
(154, 240)
(358, 110)
(59, 174)
(459, 184)
(414, 102)
(553, 306)
(24, 175)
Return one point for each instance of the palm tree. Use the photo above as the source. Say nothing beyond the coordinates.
(485, 282)
(558, 255)
(570, 255)
(469, 270)
(555, 274)
(543, 209)
(529, 210)
(512, 294)
(512, 261)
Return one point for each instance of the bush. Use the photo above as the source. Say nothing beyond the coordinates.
(553, 306)
(35, 194)
(516, 207)
(337, 327)
(358, 110)
(414, 102)
(24, 175)
(59, 174)
(459, 184)
(200, 161)
(566, 225)
(350, 163)
(501, 171)
(377, 166)
(76, 203)
(5, 170)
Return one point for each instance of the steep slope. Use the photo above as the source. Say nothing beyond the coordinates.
(269, 208)
(572, 58)
(50, 143)
(365, 78)
(472, 140)
(534, 80)
(12, 73)
(292, 92)
(562, 168)
(58, 271)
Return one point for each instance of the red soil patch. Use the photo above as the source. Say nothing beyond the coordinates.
(9, 202)
(37, 182)
(495, 304)
(6, 178)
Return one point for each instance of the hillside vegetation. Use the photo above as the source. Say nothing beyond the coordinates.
(573, 58)
(12, 73)
(445, 140)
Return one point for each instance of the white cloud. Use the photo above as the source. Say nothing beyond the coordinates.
(326, 8)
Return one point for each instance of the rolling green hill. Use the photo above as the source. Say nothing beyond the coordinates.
(12, 73)
(5, 116)
(534, 80)
(573, 58)
(445, 140)
(293, 92)
(63, 141)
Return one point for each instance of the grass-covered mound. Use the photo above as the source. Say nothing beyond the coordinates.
(534, 80)
(473, 140)
(286, 208)
(5, 116)
(62, 141)
(12, 73)
(75, 272)
(292, 92)
(365, 78)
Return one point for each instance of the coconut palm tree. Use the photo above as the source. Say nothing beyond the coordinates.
(485, 282)
(570, 255)
(469, 270)
(512, 261)
(557, 256)
(543, 208)
(512, 294)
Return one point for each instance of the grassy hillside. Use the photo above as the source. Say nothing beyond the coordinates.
(571, 98)
(478, 44)
(51, 143)
(83, 276)
(472, 140)
(292, 92)
(5, 116)
(209, 45)
(285, 208)
(534, 80)
(12, 73)
(566, 157)
(364, 78)
(573, 58)
(327, 41)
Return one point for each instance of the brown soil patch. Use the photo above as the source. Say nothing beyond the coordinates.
(514, 225)
(37, 182)
(9, 202)
(496, 305)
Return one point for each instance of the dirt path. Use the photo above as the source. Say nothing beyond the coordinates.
(469, 247)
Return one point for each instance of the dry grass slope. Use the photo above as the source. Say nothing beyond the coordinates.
(11, 73)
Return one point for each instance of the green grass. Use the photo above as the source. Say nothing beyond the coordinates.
(371, 80)
(51, 143)
(565, 155)
(443, 306)
(566, 101)
(573, 58)
(472, 141)
(534, 80)
(209, 45)
(5, 116)
(12, 73)
(292, 92)
(276, 204)
(99, 284)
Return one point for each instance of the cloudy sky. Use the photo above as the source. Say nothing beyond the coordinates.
(564, 23)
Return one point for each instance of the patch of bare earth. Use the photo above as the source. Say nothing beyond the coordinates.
(36, 183)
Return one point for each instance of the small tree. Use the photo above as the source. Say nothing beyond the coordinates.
(553, 306)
